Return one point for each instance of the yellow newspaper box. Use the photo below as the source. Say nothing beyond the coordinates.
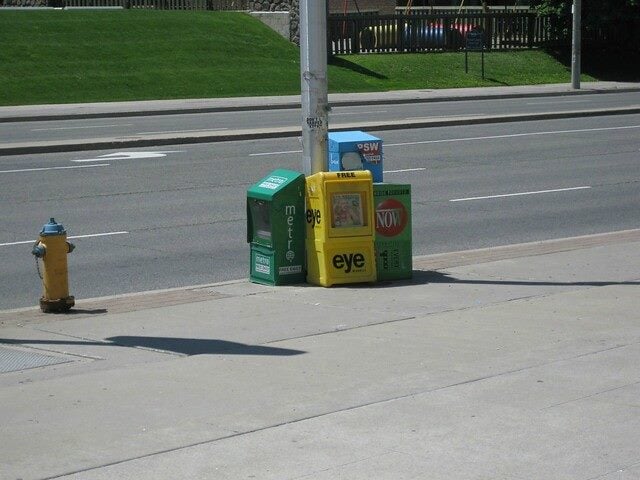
(340, 228)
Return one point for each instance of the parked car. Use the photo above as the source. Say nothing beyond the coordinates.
(413, 35)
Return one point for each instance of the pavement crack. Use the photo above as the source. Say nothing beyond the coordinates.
(340, 465)
(79, 340)
(585, 397)
(187, 225)
(22, 201)
(617, 470)
(340, 330)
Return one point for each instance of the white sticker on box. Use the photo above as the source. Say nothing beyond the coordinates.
(273, 182)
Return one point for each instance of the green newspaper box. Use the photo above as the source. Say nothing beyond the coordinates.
(394, 256)
(276, 228)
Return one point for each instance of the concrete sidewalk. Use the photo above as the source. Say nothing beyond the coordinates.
(159, 107)
(124, 109)
(518, 362)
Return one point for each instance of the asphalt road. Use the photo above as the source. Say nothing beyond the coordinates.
(168, 217)
(227, 121)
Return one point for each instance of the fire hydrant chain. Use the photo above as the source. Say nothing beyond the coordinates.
(36, 259)
(38, 269)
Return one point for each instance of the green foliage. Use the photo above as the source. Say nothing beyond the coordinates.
(608, 24)
(596, 12)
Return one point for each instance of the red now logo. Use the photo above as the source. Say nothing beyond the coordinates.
(391, 217)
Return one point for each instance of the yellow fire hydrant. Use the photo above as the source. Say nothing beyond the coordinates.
(52, 247)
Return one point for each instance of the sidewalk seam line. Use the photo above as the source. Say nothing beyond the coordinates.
(324, 414)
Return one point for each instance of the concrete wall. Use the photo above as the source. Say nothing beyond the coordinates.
(335, 6)
(278, 21)
(385, 7)
(269, 5)
(23, 3)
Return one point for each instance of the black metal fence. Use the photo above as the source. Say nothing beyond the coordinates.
(436, 32)
(624, 35)
(417, 10)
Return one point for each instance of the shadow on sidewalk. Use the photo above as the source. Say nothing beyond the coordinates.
(197, 346)
(424, 277)
(183, 346)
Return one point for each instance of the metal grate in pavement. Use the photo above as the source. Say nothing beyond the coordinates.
(13, 360)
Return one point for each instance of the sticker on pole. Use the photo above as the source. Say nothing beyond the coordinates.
(315, 123)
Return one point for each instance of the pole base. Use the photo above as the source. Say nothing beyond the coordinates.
(57, 306)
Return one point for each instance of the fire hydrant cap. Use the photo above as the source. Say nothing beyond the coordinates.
(53, 228)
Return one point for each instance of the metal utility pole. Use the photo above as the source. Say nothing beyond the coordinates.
(575, 44)
(313, 73)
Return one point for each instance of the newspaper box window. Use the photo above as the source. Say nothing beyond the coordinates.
(276, 228)
(347, 211)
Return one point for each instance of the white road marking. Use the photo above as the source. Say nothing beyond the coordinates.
(446, 116)
(519, 194)
(41, 169)
(274, 153)
(468, 139)
(91, 235)
(184, 131)
(512, 135)
(405, 170)
(128, 156)
(554, 102)
(107, 234)
(80, 128)
(356, 113)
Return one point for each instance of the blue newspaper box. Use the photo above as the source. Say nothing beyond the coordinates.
(355, 150)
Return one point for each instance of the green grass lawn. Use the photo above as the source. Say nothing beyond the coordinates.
(87, 56)
(447, 70)
(80, 56)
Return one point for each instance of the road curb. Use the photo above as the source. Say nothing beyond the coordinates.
(129, 302)
(279, 104)
(24, 148)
